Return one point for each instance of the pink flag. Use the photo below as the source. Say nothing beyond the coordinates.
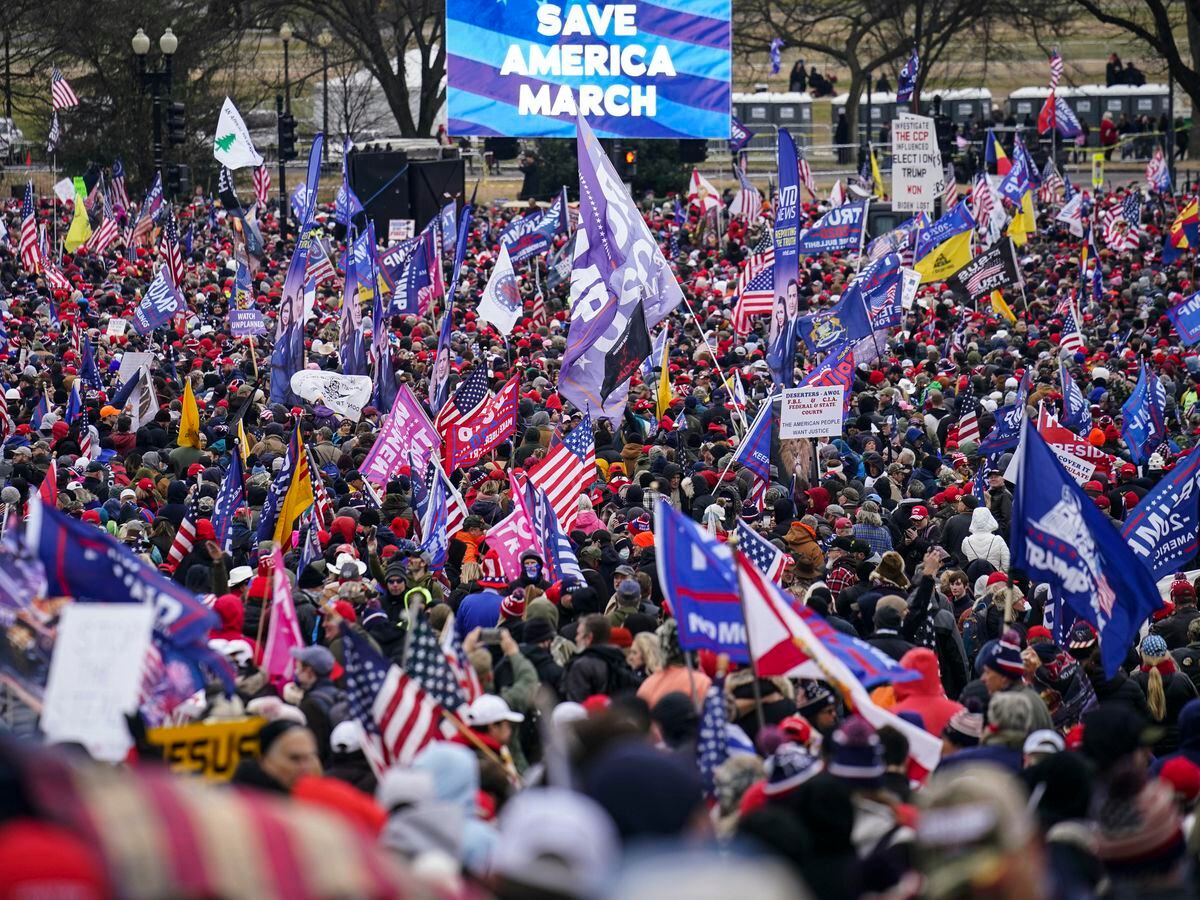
(283, 632)
(512, 536)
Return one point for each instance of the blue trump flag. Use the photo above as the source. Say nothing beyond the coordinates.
(1006, 433)
(533, 234)
(907, 81)
(1143, 416)
(287, 356)
(383, 393)
(352, 355)
(346, 204)
(83, 562)
(561, 561)
(754, 452)
(739, 134)
(1076, 412)
(697, 577)
(231, 496)
(1060, 537)
(433, 526)
(1185, 316)
(1164, 528)
(841, 228)
(160, 302)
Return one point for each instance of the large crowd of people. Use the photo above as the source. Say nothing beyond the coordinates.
(579, 767)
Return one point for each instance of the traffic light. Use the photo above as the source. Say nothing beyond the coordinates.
(287, 136)
(627, 163)
(176, 123)
(179, 179)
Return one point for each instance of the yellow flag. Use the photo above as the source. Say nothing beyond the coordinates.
(664, 383)
(298, 498)
(189, 419)
(80, 230)
(945, 259)
(1024, 223)
(1000, 307)
(243, 444)
(876, 176)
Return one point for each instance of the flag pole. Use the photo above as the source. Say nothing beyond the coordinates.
(741, 415)
(758, 700)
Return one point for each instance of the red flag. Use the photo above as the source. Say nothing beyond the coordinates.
(490, 424)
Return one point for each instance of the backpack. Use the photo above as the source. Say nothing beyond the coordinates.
(621, 679)
(333, 702)
(974, 629)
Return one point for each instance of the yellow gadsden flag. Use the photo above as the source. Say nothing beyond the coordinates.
(1001, 308)
(945, 259)
(80, 229)
(189, 419)
(664, 383)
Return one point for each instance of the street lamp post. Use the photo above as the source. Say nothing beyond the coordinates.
(285, 35)
(324, 39)
(157, 81)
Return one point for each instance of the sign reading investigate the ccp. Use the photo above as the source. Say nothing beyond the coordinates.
(527, 68)
(811, 412)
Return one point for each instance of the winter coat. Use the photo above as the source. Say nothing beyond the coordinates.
(1174, 628)
(588, 672)
(925, 696)
(983, 542)
(802, 543)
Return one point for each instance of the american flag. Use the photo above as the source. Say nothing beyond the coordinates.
(262, 186)
(1121, 222)
(321, 503)
(425, 661)
(1158, 174)
(56, 279)
(1052, 184)
(106, 233)
(185, 536)
(320, 269)
(468, 397)
(48, 489)
(968, 421)
(398, 717)
(460, 664)
(168, 246)
(148, 212)
(950, 194)
(120, 198)
(748, 202)
(6, 419)
(86, 446)
(568, 469)
(981, 201)
(539, 316)
(756, 289)
(1071, 340)
(53, 134)
(711, 746)
(762, 553)
(62, 95)
(1056, 69)
(31, 254)
(806, 175)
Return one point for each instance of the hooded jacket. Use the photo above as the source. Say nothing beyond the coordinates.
(925, 695)
(983, 542)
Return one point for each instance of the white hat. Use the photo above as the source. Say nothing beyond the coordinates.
(240, 575)
(488, 709)
(346, 737)
(239, 651)
(1044, 741)
(74, 486)
(556, 840)
(345, 559)
(128, 492)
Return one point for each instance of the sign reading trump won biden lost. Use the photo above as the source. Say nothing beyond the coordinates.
(523, 68)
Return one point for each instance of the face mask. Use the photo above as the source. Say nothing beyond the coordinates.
(624, 553)
(531, 570)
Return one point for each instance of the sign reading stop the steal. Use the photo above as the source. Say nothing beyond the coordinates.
(811, 412)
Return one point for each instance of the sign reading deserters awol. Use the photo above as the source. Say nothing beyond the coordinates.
(811, 412)
(526, 68)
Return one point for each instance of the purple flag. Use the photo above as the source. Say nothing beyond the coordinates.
(618, 266)
(406, 437)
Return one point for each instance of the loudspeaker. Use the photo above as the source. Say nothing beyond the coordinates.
(693, 151)
(432, 184)
(380, 180)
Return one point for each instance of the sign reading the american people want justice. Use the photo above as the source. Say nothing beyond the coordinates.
(524, 68)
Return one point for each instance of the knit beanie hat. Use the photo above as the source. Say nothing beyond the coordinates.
(1139, 826)
(788, 768)
(1007, 658)
(857, 753)
(965, 728)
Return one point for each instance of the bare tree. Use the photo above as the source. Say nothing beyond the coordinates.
(380, 35)
(355, 100)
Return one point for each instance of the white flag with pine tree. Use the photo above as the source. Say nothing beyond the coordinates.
(232, 146)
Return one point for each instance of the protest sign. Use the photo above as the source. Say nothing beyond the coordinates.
(131, 362)
(346, 395)
(636, 69)
(910, 281)
(917, 174)
(401, 229)
(211, 749)
(406, 434)
(811, 412)
(115, 328)
(246, 323)
(96, 675)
